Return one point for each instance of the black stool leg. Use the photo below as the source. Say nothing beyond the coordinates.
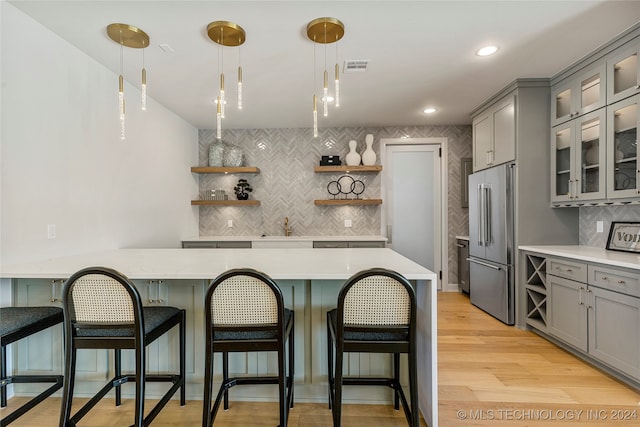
(337, 401)
(225, 377)
(282, 380)
(413, 386)
(3, 375)
(117, 362)
(183, 376)
(292, 362)
(396, 378)
(330, 361)
(69, 382)
(140, 384)
(208, 378)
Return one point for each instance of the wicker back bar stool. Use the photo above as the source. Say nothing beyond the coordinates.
(244, 312)
(376, 313)
(17, 323)
(103, 310)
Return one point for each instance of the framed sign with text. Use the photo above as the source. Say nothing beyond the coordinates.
(624, 237)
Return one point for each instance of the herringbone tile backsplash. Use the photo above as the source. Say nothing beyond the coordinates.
(287, 185)
(590, 215)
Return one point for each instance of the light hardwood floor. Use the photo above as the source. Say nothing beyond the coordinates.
(489, 375)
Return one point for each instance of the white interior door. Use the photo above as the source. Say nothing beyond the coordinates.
(413, 202)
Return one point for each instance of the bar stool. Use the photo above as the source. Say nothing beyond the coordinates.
(17, 323)
(103, 310)
(376, 313)
(244, 312)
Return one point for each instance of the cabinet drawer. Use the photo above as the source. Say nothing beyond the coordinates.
(567, 269)
(624, 281)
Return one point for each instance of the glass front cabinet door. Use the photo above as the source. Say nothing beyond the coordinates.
(624, 74)
(578, 95)
(622, 154)
(578, 155)
(562, 157)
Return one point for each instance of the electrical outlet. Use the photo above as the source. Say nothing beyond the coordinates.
(230, 223)
(347, 223)
(51, 231)
(599, 226)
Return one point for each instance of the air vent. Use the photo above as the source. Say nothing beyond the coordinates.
(355, 65)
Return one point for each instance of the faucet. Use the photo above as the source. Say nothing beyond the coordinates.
(287, 229)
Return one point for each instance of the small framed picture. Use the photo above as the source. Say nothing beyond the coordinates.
(624, 237)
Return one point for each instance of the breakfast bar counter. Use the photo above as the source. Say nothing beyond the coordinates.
(309, 278)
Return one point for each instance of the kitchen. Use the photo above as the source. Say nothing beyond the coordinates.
(136, 194)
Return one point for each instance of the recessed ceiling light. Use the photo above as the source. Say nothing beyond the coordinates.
(487, 50)
(429, 110)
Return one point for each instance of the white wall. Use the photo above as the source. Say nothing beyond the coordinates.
(62, 161)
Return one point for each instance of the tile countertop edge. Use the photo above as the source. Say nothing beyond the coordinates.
(588, 254)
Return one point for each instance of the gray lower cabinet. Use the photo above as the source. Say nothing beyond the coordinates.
(566, 311)
(603, 323)
(614, 325)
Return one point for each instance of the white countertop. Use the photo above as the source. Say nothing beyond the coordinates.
(589, 254)
(462, 237)
(281, 238)
(310, 264)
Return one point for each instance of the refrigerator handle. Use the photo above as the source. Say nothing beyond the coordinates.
(475, 261)
(480, 218)
(487, 216)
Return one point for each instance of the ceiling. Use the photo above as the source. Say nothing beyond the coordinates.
(420, 53)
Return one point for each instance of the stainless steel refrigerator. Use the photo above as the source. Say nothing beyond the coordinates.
(491, 241)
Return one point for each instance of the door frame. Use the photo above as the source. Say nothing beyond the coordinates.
(440, 142)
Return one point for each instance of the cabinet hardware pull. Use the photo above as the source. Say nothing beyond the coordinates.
(580, 301)
(622, 282)
(605, 278)
(568, 270)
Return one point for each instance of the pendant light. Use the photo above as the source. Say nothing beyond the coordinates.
(226, 34)
(325, 31)
(128, 36)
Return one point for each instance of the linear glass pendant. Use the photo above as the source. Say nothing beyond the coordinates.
(219, 120)
(337, 85)
(222, 100)
(315, 116)
(121, 104)
(143, 90)
(239, 88)
(325, 94)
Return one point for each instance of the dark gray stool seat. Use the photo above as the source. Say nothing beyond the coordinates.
(17, 323)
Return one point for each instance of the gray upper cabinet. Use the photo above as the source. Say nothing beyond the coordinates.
(594, 119)
(623, 170)
(578, 151)
(494, 134)
(624, 73)
(578, 95)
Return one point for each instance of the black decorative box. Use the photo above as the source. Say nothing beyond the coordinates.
(330, 161)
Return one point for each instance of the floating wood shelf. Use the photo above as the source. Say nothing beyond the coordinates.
(225, 202)
(240, 169)
(348, 202)
(347, 169)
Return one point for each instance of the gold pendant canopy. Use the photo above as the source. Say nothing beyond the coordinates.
(128, 35)
(226, 33)
(325, 30)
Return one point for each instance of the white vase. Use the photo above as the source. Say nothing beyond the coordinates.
(368, 155)
(353, 158)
